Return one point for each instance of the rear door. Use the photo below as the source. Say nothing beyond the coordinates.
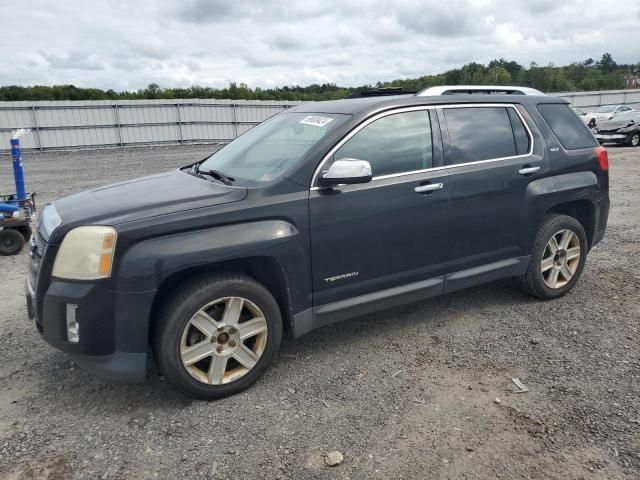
(393, 230)
(490, 159)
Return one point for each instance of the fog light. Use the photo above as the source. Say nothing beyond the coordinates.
(73, 329)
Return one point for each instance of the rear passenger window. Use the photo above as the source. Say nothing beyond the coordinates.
(519, 133)
(569, 129)
(479, 133)
(396, 143)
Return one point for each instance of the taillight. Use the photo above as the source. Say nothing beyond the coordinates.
(603, 158)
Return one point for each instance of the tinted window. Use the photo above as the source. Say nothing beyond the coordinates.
(519, 133)
(479, 133)
(394, 144)
(569, 129)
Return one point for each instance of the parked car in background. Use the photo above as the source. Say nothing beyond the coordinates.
(606, 112)
(624, 128)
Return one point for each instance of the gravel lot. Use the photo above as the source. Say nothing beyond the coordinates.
(406, 393)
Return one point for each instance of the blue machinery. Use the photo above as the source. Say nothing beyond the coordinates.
(16, 209)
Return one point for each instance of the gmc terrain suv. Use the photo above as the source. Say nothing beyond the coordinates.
(324, 212)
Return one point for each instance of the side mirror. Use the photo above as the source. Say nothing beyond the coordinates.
(346, 171)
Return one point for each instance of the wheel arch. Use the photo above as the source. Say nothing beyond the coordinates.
(574, 194)
(263, 269)
(581, 210)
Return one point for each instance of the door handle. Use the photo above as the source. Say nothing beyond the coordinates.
(429, 187)
(528, 170)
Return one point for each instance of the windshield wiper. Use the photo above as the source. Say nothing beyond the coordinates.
(227, 180)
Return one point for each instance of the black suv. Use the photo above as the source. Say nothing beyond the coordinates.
(324, 212)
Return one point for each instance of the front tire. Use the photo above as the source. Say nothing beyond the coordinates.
(217, 335)
(634, 139)
(558, 257)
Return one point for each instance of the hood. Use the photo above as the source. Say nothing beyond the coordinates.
(144, 197)
(599, 115)
(617, 123)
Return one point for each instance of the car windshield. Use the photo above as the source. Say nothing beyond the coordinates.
(605, 109)
(267, 150)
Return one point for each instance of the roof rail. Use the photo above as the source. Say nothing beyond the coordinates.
(380, 92)
(478, 89)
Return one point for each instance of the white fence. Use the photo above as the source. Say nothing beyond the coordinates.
(96, 124)
(605, 97)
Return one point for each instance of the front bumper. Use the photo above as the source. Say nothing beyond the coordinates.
(617, 137)
(112, 326)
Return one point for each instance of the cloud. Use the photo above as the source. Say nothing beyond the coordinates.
(73, 61)
(206, 11)
(123, 45)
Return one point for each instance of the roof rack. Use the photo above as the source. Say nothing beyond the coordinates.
(380, 92)
(478, 89)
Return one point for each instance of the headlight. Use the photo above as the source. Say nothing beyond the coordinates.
(86, 253)
(49, 220)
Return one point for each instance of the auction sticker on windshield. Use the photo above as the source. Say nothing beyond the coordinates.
(315, 120)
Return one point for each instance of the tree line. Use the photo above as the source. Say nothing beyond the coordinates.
(587, 75)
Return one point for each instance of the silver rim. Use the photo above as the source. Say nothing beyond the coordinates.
(635, 140)
(223, 340)
(560, 259)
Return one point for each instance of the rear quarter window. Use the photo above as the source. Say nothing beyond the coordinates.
(565, 124)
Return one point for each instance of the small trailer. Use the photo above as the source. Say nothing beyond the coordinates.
(16, 209)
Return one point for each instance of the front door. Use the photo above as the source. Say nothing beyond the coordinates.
(393, 230)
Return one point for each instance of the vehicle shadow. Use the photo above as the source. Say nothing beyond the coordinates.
(65, 387)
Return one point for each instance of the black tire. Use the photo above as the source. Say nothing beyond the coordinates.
(26, 232)
(634, 139)
(174, 316)
(11, 241)
(532, 282)
(592, 123)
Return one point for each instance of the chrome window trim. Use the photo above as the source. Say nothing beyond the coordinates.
(368, 121)
(498, 159)
(377, 116)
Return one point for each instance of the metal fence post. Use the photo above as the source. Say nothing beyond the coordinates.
(234, 120)
(37, 125)
(179, 122)
(115, 105)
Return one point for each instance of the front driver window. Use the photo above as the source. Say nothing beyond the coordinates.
(396, 143)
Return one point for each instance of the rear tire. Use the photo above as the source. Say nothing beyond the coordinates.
(11, 241)
(217, 335)
(634, 139)
(558, 257)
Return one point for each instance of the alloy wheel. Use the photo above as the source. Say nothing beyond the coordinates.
(560, 259)
(223, 340)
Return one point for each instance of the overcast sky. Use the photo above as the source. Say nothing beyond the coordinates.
(129, 44)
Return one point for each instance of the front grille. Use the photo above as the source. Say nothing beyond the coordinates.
(38, 248)
(37, 244)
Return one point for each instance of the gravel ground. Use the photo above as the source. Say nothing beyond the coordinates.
(422, 391)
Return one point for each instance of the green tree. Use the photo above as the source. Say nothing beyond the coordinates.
(607, 64)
